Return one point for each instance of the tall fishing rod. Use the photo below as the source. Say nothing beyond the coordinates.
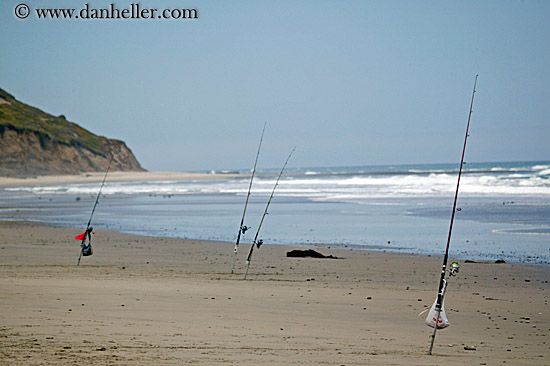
(88, 231)
(259, 242)
(442, 282)
(242, 227)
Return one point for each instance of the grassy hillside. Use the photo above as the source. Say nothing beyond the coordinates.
(33, 142)
(26, 118)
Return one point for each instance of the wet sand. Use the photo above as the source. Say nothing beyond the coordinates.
(142, 301)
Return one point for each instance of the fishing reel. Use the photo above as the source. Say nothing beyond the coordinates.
(88, 233)
(454, 269)
(244, 228)
(259, 243)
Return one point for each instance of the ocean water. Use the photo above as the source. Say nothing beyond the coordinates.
(504, 208)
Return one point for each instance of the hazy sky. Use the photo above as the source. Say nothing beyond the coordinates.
(348, 82)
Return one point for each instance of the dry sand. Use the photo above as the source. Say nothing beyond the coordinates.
(145, 301)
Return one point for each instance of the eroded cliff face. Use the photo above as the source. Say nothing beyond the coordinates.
(27, 153)
(33, 143)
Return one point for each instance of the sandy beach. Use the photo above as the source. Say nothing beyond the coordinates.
(143, 300)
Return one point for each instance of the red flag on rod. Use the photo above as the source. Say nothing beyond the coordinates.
(80, 237)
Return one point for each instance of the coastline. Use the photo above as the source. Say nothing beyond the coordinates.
(97, 177)
(372, 223)
(140, 300)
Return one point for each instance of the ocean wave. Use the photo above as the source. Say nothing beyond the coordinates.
(351, 185)
(355, 187)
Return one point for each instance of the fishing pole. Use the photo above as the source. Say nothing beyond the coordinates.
(259, 242)
(442, 281)
(242, 227)
(88, 231)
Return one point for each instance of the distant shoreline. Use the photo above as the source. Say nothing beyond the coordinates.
(375, 170)
(95, 177)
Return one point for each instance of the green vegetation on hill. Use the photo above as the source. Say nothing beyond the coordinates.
(23, 117)
(33, 142)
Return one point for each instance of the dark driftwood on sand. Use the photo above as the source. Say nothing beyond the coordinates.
(308, 253)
